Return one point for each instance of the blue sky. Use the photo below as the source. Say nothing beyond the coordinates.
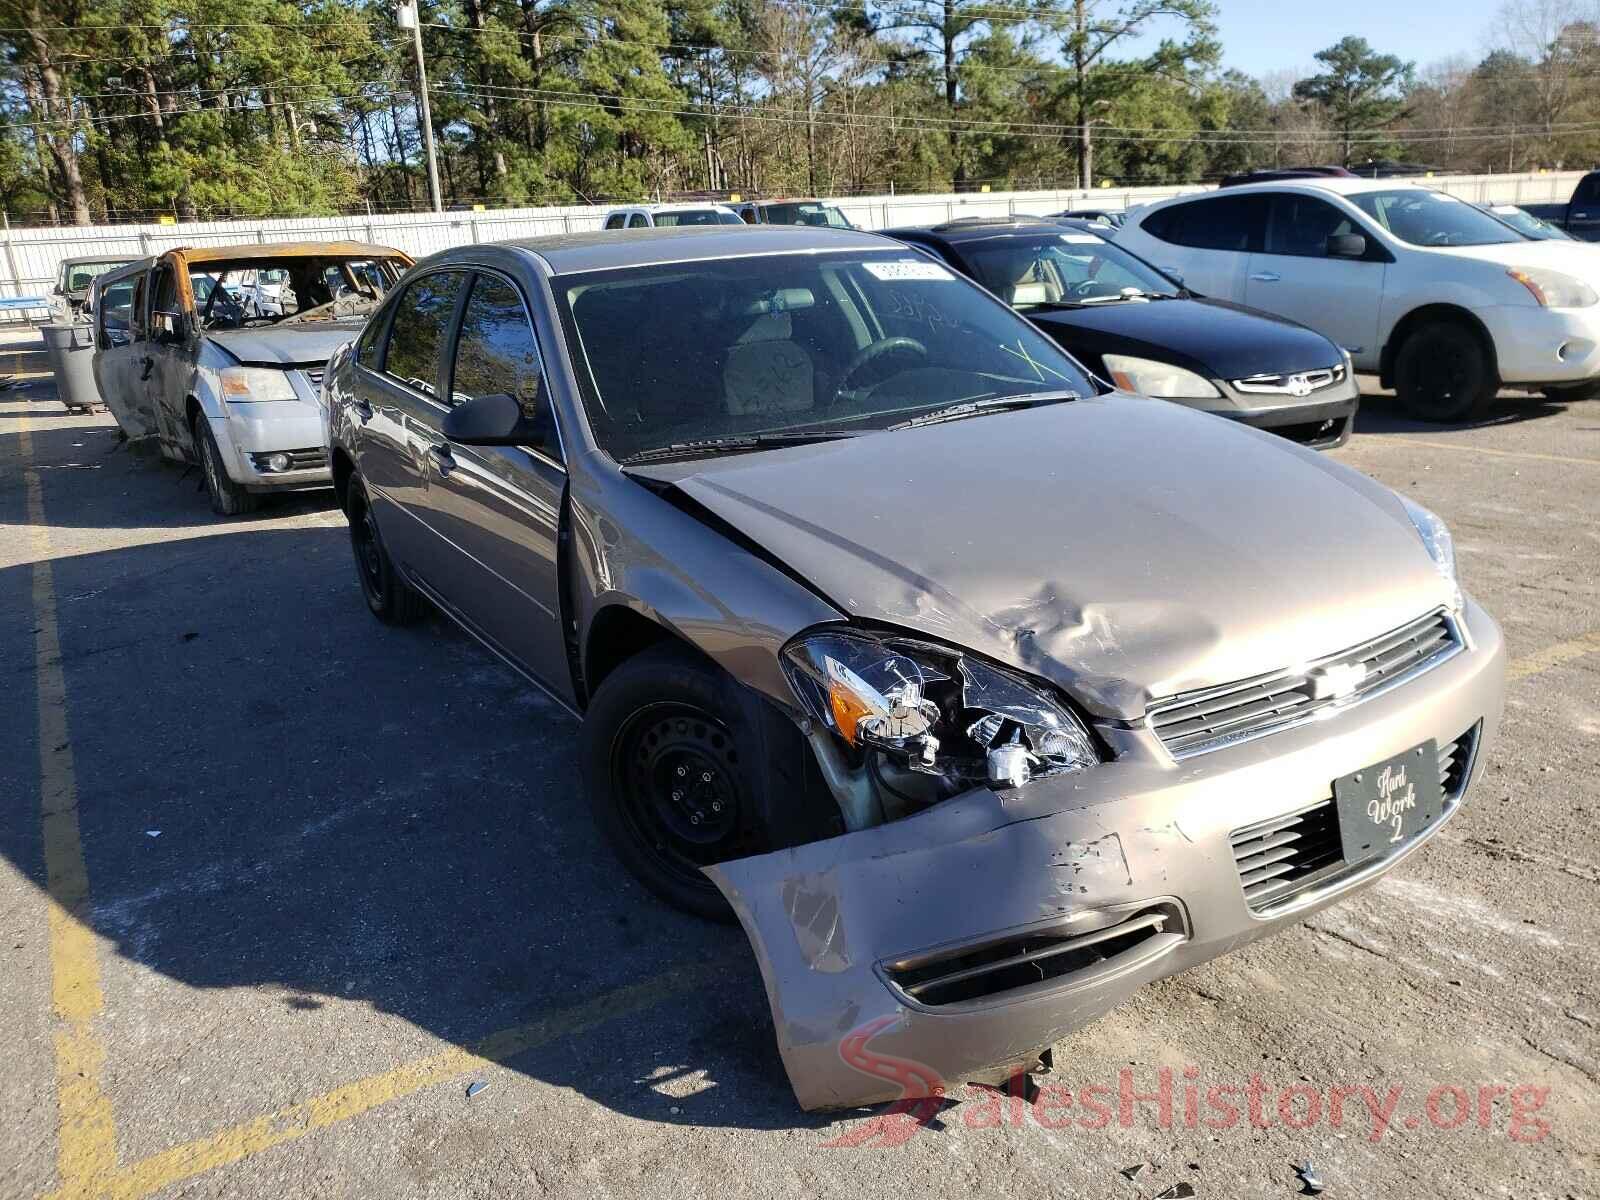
(1261, 36)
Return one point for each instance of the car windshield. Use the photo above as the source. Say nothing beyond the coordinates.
(78, 276)
(313, 287)
(696, 216)
(793, 345)
(1529, 225)
(1067, 268)
(1423, 218)
(824, 216)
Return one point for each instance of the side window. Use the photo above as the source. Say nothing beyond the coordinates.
(1588, 190)
(1223, 224)
(417, 332)
(496, 355)
(112, 315)
(638, 221)
(614, 221)
(371, 337)
(1302, 225)
(166, 290)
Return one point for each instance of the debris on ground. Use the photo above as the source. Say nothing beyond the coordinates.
(1309, 1176)
(476, 1086)
(1134, 1171)
(1178, 1191)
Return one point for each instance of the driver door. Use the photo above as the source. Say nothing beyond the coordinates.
(1292, 276)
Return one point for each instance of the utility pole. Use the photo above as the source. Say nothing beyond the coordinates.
(408, 18)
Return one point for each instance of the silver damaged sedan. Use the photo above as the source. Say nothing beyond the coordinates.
(980, 695)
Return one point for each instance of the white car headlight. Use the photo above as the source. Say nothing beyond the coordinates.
(256, 383)
(1440, 545)
(1552, 289)
(1151, 378)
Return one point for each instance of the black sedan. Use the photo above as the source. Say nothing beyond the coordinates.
(1147, 333)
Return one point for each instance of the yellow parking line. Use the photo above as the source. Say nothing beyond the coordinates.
(86, 1136)
(1390, 440)
(342, 1103)
(1554, 656)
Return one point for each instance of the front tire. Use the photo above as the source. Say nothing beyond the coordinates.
(685, 767)
(1444, 374)
(228, 499)
(391, 599)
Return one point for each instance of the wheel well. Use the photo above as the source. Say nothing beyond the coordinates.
(343, 468)
(617, 634)
(1427, 315)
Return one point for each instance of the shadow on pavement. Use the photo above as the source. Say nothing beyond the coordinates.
(347, 810)
(1382, 414)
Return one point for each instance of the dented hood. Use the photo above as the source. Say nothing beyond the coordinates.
(1125, 549)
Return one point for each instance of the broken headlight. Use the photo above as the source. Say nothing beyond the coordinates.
(920, 708)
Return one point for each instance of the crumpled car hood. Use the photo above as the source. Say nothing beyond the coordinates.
(286, 345)
(1125, 549)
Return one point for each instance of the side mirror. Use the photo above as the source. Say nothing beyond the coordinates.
(1347, 245)
(490, 420)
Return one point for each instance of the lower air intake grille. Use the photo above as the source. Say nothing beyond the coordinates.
(299, 460)
(1288, 854)
(1006, 965)
(1208, 720)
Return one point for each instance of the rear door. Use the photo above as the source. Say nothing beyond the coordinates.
(397, 402)
(1208, 242)
(499, 507)
(118, 355)
(1293, 276)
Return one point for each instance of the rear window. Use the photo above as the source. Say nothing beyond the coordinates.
(75, 277)
(1225, 223)
(421, 321)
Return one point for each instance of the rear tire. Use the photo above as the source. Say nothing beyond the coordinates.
(228, 499)
(685, 767)
(1443, 373)
(391, 599)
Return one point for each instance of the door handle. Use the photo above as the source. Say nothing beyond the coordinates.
(363, 410)
(442, 458)
(149, 365)
(1266, 277)
(1583, 216)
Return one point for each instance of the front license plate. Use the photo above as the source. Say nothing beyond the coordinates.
(1388, 803)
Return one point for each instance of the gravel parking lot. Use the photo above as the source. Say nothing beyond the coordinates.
(278, 885)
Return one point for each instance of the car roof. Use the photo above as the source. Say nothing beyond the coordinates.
(1320, 183)
(608, 249)
(266, 250)
(681, 206)
(96, 258)
(984, 229)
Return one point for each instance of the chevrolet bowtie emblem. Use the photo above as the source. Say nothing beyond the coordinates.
(1337, 682)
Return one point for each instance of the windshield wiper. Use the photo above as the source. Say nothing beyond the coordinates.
(734, 444)
(987, 404)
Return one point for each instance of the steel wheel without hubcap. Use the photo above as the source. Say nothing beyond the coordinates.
(674, 769)
(369, 558)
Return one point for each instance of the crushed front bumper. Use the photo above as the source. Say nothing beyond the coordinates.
(1133, 861)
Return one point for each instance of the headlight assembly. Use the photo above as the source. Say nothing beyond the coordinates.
(1151, 378)
(1552, 289)
(1440, 545)
(256, 383)
(923, 709)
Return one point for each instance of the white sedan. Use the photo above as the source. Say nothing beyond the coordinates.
(1442, 300)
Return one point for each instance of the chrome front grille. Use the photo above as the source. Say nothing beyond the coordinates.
(1291, 853)
(1302, 383)
(1196, 722)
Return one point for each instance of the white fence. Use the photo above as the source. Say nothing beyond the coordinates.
(32, 255)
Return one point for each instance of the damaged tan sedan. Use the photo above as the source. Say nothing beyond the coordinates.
(981, 693)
